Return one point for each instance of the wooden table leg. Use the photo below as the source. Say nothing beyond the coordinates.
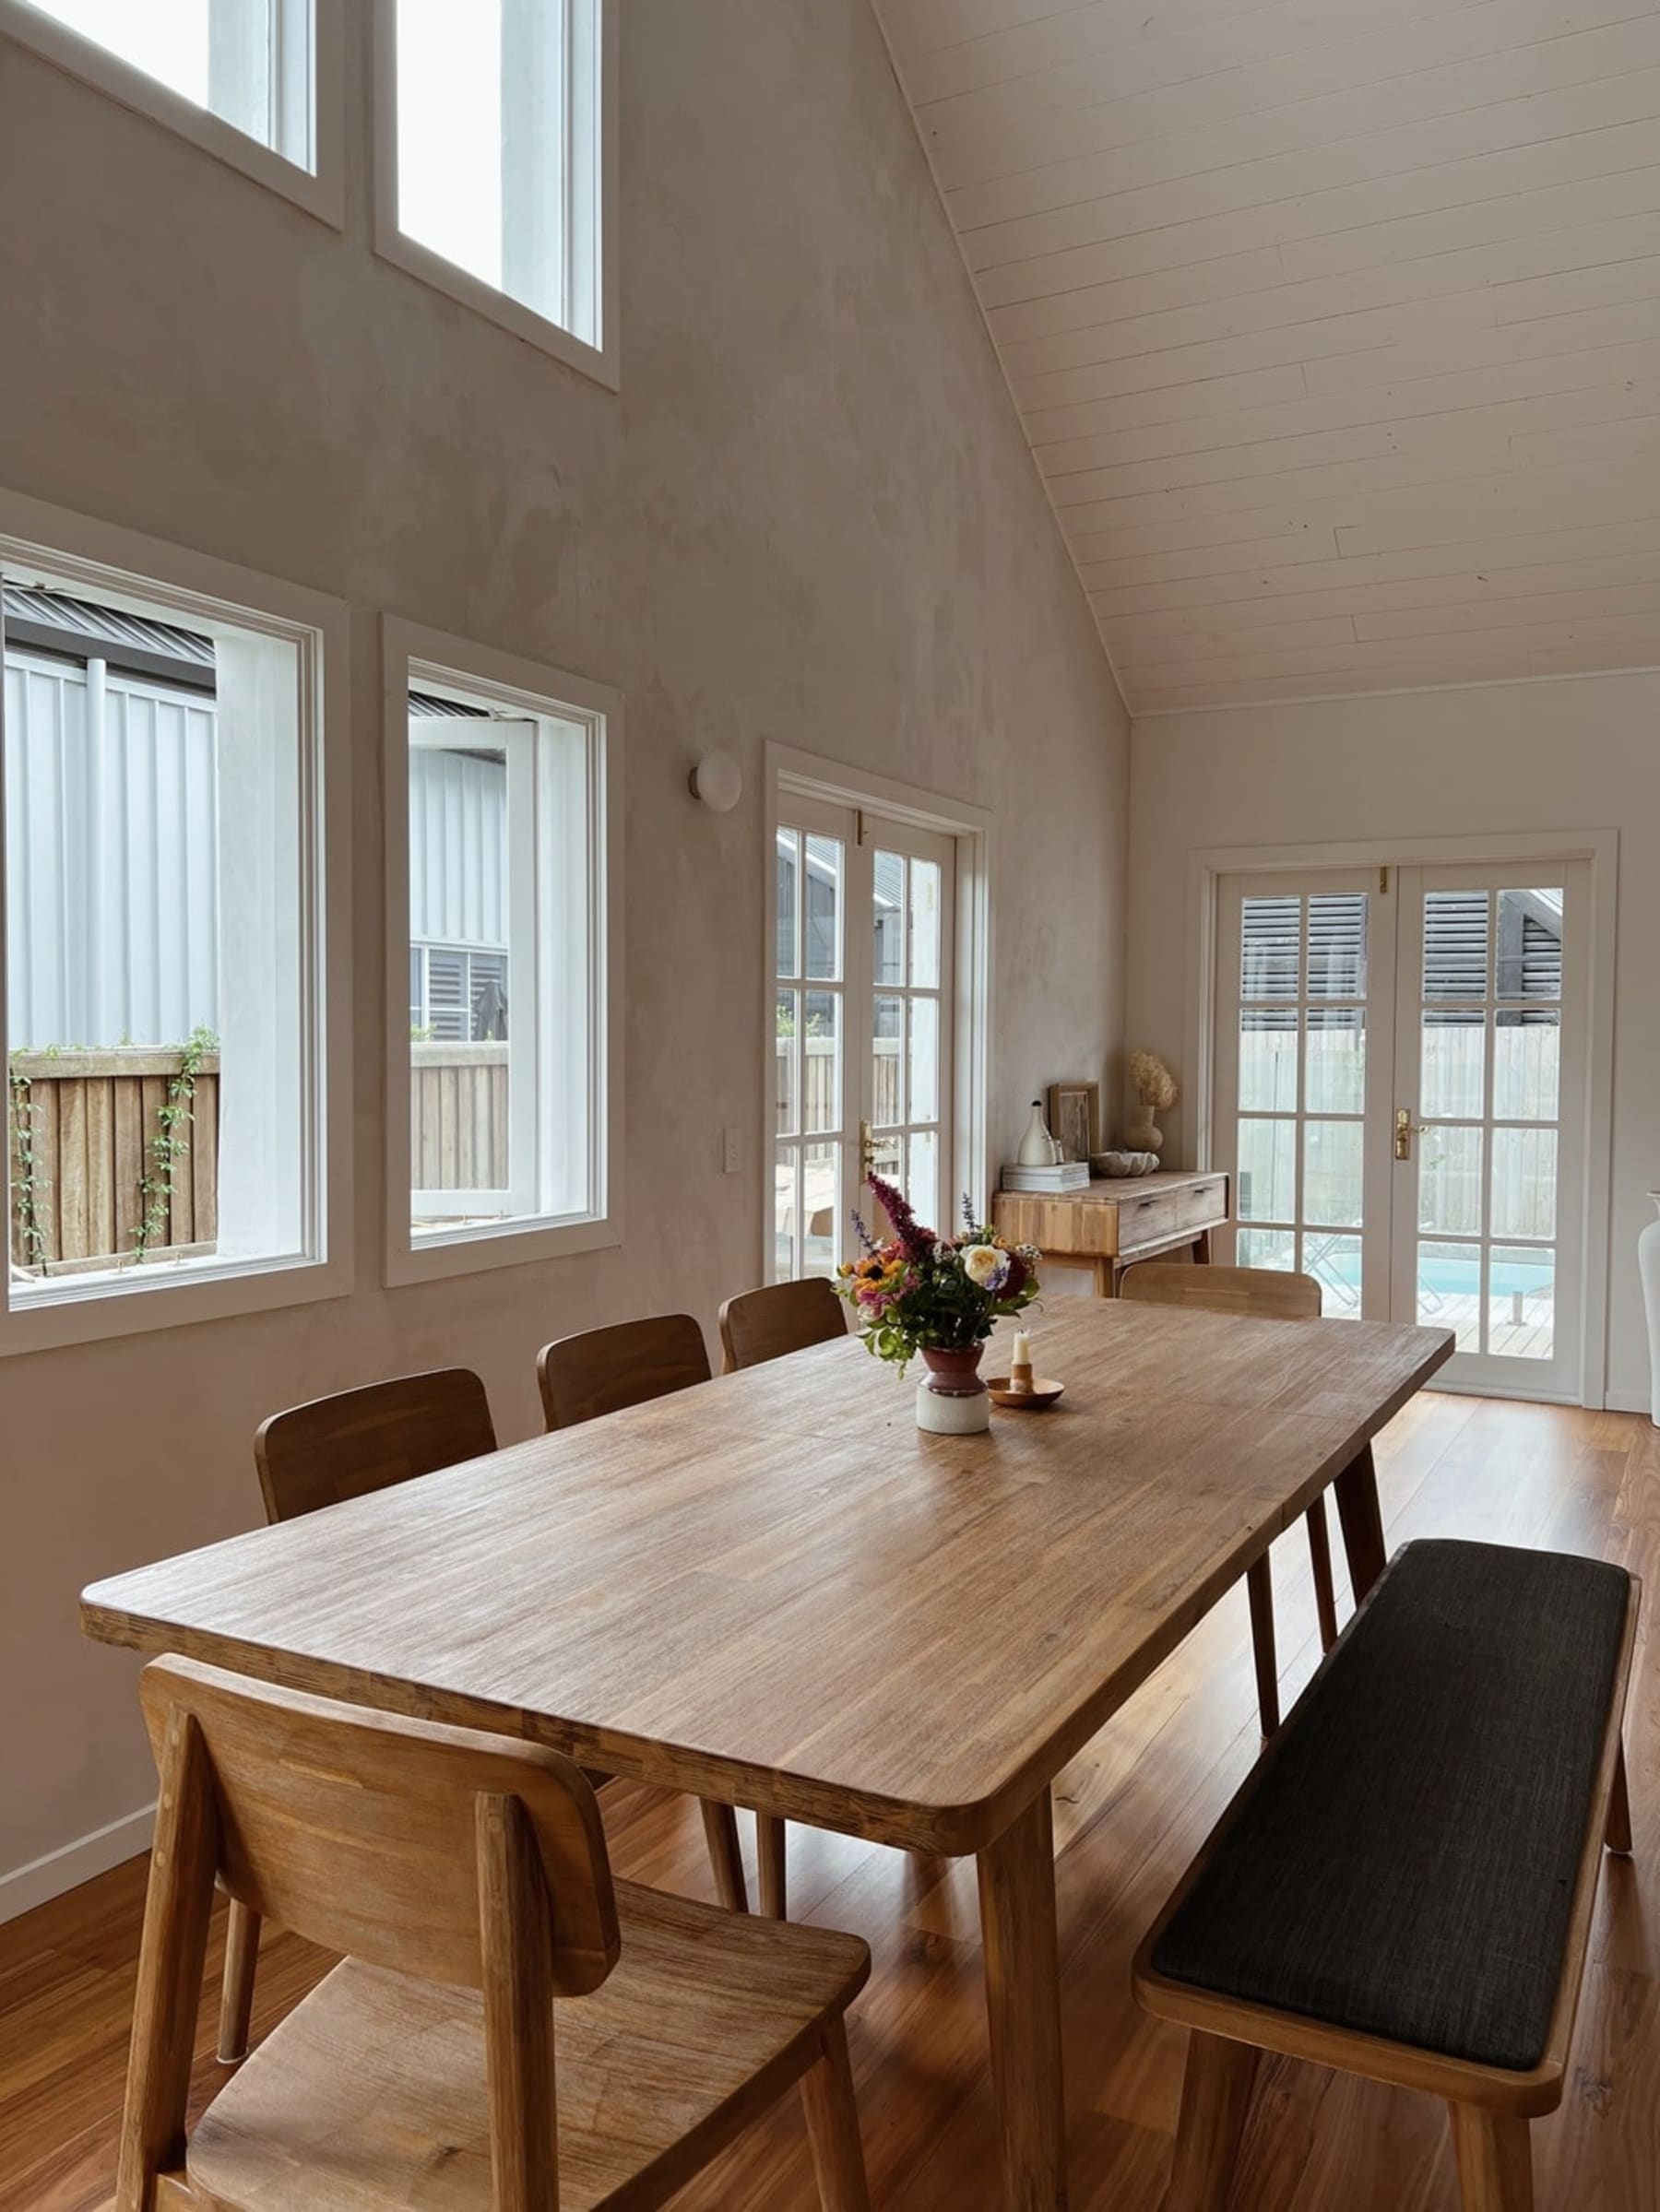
(1022, 2006)
(1362, 1522)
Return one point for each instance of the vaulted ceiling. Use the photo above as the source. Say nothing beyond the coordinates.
(1334, 325)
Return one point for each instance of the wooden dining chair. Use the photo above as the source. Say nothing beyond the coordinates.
(509, 2030)
(320, 1454)
(781, 1318)
(756, 1326)
(601, 1371)
(1272, 1294)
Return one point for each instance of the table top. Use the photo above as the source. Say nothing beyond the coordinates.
(773, 1589)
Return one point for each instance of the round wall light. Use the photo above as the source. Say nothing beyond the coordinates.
(718, 781)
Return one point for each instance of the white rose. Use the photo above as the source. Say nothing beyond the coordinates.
(983, 1264)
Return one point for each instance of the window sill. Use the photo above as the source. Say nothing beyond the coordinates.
(321, 194)
(475, 1251)
(89, 1308)
(599, 363)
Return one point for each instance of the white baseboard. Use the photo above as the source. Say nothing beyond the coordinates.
(73, 1864)
(1627, 1402)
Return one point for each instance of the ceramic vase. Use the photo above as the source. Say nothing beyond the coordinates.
(1143, 1135)
(1648, 1264)
(1037, 1148)
(951, 1400)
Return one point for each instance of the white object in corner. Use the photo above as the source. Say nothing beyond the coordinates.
(1037, 1147)
(1648, 1263)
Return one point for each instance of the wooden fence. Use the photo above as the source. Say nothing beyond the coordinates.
(80, 1127)
(458, 1117)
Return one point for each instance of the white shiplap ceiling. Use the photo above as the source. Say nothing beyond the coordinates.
(1335, 324)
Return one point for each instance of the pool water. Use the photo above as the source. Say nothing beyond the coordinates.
(1450, 1278)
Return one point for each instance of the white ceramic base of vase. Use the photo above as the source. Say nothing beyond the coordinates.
(938, 1416)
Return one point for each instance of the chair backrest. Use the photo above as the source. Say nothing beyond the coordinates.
(356, 1441)
(604, 1370)
(759, 1325)
(370, 1834)
(1265, 1293)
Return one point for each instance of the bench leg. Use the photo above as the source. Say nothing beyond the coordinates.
(833, 2126)
(1216, 2098)
(770, 1850)
(1617, 1834)
(1495, 2161)
(1319, 1557)
(1259, 1588)
(720, 1832)
(1362, 1520)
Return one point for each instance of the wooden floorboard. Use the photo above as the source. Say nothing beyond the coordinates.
(1129, 1812)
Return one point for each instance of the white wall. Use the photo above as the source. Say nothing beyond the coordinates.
(809, 516)
(1580, 754)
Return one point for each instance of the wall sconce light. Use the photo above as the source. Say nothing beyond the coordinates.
(718, 781)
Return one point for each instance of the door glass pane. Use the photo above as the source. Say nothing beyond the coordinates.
(1270, 933)
(924, 1059)
(925, 924)
(1455, 944)
(1524, 1178)
(1267, 1170)
(1268, 1248)
(785, 1057)
(888, 910)
(1450, 1180)
(1334, 1264)
(1331, 1172)
(820, 1061)
(786, 1209)
(1452, 1080)
(1522, 1302)
(1449, 1291)
(885, 1159)
(820, 1177)
(822, 902)
(1337, 1048)
(888, 1043)
(1268, 1059)
(1526, 1055)
(1529, 963)
(922, 1178)
(789, 890)
(1337, 945)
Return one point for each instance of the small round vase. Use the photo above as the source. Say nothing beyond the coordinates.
(1143, 1135)
(1648, 1263)
(951, 1400)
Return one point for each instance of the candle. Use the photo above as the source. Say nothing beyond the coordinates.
(1022, 1355)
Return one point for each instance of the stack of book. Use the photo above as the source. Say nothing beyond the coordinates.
(1066, 1175)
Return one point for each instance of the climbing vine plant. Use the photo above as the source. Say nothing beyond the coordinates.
(169, 1144)
(26, 1188)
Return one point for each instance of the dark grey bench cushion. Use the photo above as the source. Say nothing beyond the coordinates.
(1406, 1865)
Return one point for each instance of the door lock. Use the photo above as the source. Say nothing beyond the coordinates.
(1405, 1129)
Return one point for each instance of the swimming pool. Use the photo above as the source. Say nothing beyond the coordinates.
(1446, 1276)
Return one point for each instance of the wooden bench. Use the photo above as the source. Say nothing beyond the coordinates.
(1403, 1889)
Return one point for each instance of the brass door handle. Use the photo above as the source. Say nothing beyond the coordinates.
(1404, 1130)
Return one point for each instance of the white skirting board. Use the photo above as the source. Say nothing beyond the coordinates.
(73, 1864)
(1627, 1402)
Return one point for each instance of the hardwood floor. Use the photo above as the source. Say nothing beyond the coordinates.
(1128, 1815)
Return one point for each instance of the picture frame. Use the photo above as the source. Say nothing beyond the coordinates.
(1074, 1117)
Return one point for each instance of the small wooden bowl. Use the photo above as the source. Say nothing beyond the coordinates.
(1042, 1392)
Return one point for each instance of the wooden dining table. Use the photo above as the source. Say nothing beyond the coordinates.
(772, 1590)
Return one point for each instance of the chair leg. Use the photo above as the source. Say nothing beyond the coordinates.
(1216, 2098)
(1259, 1585)
(833, 2126)
(1320, 1556)
(720, 1831)
(236, 1995)
(1617, 1835)
(1495, 2161)
(770, 1833)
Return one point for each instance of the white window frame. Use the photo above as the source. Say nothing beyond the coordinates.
(430, 660)
(307, 60)
(793, 776)
(394, 244)
(113, 565)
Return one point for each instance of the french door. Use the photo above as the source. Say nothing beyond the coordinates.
(1400, 1070)
(864, 930)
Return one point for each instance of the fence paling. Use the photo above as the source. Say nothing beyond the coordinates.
(458, 1096)
(91, 1119)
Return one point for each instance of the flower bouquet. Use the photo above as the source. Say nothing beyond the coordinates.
(920, 1293)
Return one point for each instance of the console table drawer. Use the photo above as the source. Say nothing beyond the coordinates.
(1203, 1205)
(1151, 1219)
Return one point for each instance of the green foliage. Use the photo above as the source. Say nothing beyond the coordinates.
(170, 1145)
(25, 1181)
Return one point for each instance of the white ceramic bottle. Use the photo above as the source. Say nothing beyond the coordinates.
(1037, 1147)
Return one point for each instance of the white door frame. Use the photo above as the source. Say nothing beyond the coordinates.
(790, 773)
(1600, 848)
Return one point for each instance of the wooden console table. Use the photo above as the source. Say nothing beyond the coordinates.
(1114, 1224)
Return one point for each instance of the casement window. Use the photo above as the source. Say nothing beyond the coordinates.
(503, 876)
(256, 82)
(166, 909)
(497, 162)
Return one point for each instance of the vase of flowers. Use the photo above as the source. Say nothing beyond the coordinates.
(918, 1293)
(1156, 1089)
